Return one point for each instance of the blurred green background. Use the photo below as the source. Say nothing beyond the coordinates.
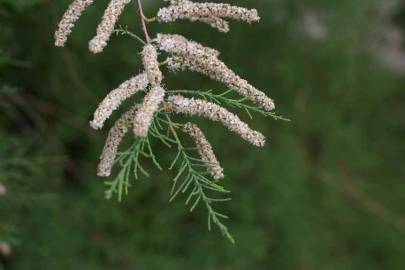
(327, 192)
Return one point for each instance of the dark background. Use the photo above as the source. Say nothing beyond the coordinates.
(327, 192)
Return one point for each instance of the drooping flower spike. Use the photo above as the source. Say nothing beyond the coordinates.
(114, 99)
(115, 136)
(195, 57)
(69, 19)
(151, 65)
(205, 150)
(177, 44)
(210, 13)
(144, 117)
(216, 113)
(106, 27)
(217, 70)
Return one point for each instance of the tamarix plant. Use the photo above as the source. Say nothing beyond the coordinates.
(198, 170)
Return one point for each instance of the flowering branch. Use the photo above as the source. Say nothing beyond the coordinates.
(198, 169)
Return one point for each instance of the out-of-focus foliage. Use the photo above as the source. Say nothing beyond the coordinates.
(327, 191)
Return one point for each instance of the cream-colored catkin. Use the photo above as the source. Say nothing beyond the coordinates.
(214, 112)
(178, 44)
(217, 70)
(114, 99)
(194, 11)
(144, 117)
(106, 27)
(205, 150)
(215, 22)
(151, 65)
(69, 19)
(195, 57)
(115, 136)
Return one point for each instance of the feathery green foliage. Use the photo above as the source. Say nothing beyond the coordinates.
(191, 176)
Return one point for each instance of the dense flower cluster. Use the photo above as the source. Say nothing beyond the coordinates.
(205, 150)
(143, 119)
(214, 112)
(106, 27)
(115, 136)
(151, 64)
(114, 99)
(210, 13)
(178, 44)
(69, 19)
(196, 57)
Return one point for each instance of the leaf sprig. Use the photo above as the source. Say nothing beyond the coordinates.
(191, 171)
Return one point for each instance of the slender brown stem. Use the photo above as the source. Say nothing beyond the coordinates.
(149, 20)
(143, 22)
